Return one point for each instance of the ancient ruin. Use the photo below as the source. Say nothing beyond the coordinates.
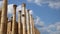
(24, 25)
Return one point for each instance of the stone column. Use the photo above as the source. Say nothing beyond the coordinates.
(32, 25)
(19, 23)
(14, 20)
(24, 18)
(28, 21)
(4, 18)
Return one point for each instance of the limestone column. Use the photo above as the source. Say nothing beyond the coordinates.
(24, 18)
(19, 23)
(4, 18)
(28, 21)
(32, 25)
(14, 20)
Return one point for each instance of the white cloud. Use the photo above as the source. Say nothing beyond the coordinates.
(10, 8)
(50, 3)
(51, 29)
(54, 4)
(31, 11)
(58, 25)
(19, 8)
(38, 21)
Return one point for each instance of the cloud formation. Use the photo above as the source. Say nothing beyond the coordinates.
(50, 3)
(38, 22)
(51, 29)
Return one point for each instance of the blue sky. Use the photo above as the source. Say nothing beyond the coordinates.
(46, 14)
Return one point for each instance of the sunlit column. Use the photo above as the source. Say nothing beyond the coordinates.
(28, 21)
(14, 20)
(19, 23)
(24, 18)
(32, 25)
(4, 18)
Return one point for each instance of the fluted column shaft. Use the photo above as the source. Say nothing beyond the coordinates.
(28, 21)
(24, 18)
(19, 23)
(32, 25)
(4, 18)
(14, 20)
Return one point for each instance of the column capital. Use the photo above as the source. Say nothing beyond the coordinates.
(14, 6)
(23, 5)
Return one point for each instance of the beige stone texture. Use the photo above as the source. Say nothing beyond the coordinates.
(9, 27)
(32, 25)
(3, 29)
(24, 18)
(19, 23)
(28, 21)
(14, 20)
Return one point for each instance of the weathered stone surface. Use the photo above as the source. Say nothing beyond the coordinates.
(24, 18)
(19, 23)
(32, 25)
(14, 20)
(28, 21)
(9, 25)
(3, 29)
